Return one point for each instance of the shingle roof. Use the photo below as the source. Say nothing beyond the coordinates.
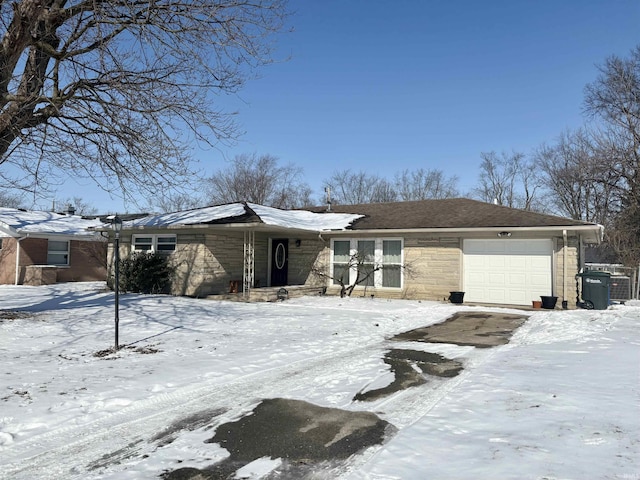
(446, 213)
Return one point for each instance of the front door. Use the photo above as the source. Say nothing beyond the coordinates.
(279, 262)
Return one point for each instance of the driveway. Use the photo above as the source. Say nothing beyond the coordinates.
(308, 437)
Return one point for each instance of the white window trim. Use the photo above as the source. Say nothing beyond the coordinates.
(154, 242)
(379, 257)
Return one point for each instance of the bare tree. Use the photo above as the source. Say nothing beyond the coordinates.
(10, 200)
(580, 184)
(115, 90)
(352, 188)
(363, 265)
(424, 184)
(349, 187)
(362, 262)
(175, 201)
(614, 98)
(509, 180)
(259, 179)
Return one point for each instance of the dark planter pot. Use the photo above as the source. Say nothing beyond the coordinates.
(548, 302)
(456, 297)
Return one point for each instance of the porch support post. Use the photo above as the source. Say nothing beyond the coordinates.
(249, 263)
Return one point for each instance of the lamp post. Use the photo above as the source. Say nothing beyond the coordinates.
(117, 226)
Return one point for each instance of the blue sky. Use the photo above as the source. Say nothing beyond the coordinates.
(384, 86)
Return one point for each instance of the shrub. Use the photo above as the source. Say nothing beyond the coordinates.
(145, 272)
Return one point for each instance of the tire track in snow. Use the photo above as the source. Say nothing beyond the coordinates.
(128, 432)
(133, 426)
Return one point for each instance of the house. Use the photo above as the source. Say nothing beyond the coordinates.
(419, 250)
(39, 248)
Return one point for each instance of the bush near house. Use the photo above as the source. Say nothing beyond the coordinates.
(145, 272)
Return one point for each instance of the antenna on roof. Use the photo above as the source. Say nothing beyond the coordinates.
(327, 190)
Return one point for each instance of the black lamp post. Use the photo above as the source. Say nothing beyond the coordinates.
(117, 226)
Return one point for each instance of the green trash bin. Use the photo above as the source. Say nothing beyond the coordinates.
(595, 289)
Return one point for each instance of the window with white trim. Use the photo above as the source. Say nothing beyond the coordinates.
(57, 252)
(373, 262)
(165, 244)
(392, 263)
(341, 253)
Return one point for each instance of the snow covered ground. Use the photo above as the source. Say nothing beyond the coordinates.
(560, 401)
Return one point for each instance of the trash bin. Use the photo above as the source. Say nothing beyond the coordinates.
(595, 289)
(456, 297)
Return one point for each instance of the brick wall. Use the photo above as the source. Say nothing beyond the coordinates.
(87, 261)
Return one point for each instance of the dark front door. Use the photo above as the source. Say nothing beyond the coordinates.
(279, 262)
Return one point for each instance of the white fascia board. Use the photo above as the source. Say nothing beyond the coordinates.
(596, 230)
(62, 236)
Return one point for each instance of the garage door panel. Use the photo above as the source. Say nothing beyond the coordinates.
(510, 271)
(540, 283)
(519, 262)
(518, 297)
(495, 261)
(495, 295)
(515, 279)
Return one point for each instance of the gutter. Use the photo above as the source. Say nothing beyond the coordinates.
(557, 228)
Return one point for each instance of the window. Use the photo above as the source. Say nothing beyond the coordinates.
(57, 253)
(371, 262)
(154, 243)
(392, 263)
(341, 256)
(366, 262)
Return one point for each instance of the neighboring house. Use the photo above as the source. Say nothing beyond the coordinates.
(39, 248)
(420, 250)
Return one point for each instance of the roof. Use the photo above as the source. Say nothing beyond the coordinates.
(248, 213)
(457, 214)
(453, 213)
(20, 223)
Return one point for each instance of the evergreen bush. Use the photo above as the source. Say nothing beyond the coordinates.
(145, 272)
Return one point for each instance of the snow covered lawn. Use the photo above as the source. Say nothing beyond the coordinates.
(561, 400)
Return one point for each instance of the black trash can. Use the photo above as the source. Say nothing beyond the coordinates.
(596, 286)
(548, 301)
(456, 297)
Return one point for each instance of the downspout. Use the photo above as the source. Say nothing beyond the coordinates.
(564, 266)
(18, 240)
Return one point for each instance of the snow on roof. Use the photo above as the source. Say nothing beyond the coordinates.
(303, 219)
(298, 219)
(16, 222)
(189, 217)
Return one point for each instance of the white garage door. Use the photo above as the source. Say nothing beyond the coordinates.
(507, 271)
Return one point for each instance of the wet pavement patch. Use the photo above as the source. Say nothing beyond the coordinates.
(403, 363)
(302, 434)
(190, 423)
(476, 329)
